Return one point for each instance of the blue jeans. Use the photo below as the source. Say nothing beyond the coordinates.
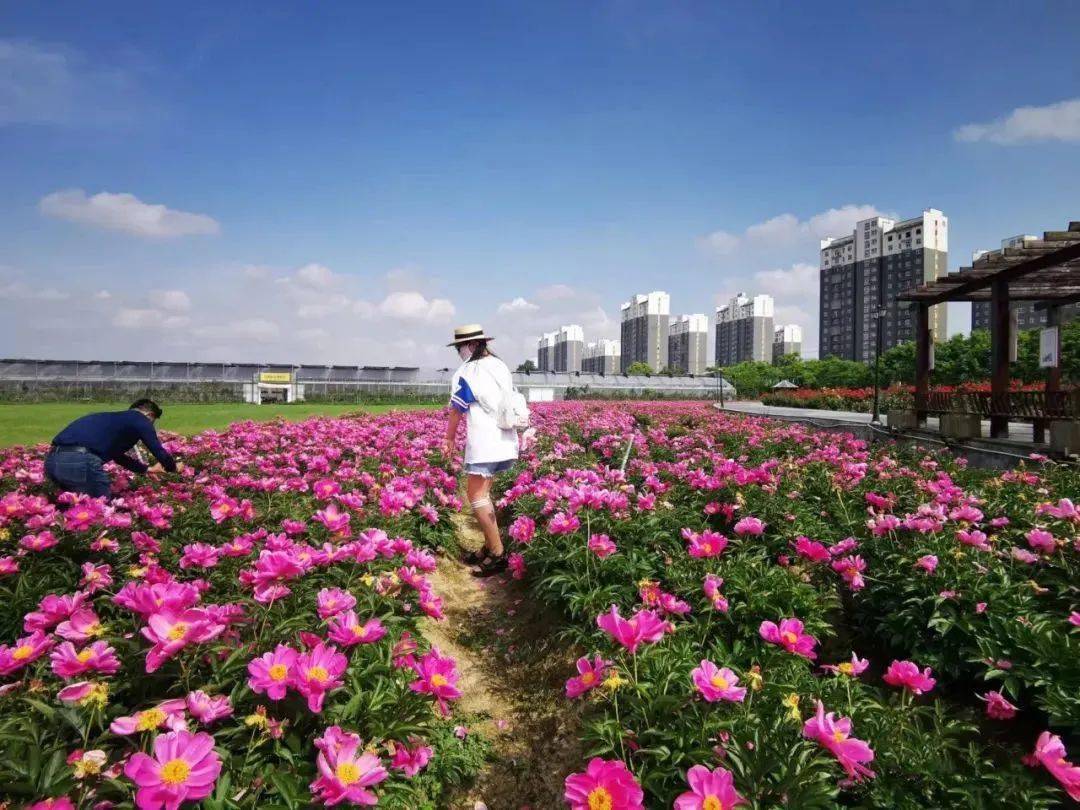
(489, 469)
(77, 471)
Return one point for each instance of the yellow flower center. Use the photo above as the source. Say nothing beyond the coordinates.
(358, 630)
(179, 630)
(588, 678)
(278, 672)
(22, 652)
(175, 772)
(846, 668)
(318, 674)
(347, 773)
(150, 719)
(719, 681)
(438, 680)
(851, 571)
(712, 803)
(789, 637)
(839, 736)
(600, 799)
(82, 515)
(84, 656)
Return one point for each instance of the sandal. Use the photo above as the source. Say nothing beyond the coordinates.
(490, 565)
(472, 557)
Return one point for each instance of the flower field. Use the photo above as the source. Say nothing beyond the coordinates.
(761, 615)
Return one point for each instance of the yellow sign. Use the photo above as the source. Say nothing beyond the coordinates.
(275, 377)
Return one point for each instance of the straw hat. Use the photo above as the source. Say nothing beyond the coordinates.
(468, 332)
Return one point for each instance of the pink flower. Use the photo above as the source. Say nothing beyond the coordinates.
(811, 549)
(928, 563)
(790, 636)
(997, 707)
(223, 508)
(347, 630)
(67, 663)
(750, 525)
(711, 586)
(199, 555)
(906, 674)
(1065, 510)
(606, 784)
(207, 709)
(95, 577)
(83, 625)
(167, 713)
(835, 735)
(332, 601)
(516, 564)
(590, 675)
(850, 569)
(706, 544)
(974, 538)
(602, 546)
(317, 672)
(1041, 540)
(716, 684)
(523, 529)
(411, 759)
(709, 790)
(345, 770)
(326, 489)
(56, 803)
(438, 678)
(562, 523)
(852, 669)
(643, 626)
(184, 768)
(1050, 753)
(24, 652)
(171, 632)
(1074, 619)
(1024, 556)
(272, 672)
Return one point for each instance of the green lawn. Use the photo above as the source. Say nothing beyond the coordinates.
(30, 423)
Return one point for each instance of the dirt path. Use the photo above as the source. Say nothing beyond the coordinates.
(512, 671)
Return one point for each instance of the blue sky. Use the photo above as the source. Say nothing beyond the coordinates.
(344, 183)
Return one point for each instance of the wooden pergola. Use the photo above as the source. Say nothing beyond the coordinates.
(1044, 270)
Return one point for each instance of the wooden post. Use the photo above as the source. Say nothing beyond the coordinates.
(999, 358)
(922, 361)
(1053, 378)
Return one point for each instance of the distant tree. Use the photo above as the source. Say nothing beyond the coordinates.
(639, 369)
(527, 367)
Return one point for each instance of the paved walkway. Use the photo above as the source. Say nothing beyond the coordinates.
(1018, 431)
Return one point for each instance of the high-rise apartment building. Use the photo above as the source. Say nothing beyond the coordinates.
(864, 272)
(645, 322)
(568, 350)
(1027, 317)
(744, 330)
(688, 337)
(787, 340)
(545, 351)
(602, 357)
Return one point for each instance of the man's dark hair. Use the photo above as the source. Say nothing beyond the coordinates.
(147, 405)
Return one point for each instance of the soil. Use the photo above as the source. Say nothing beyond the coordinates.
(512, 670)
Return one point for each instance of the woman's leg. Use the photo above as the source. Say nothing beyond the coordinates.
(478, 489)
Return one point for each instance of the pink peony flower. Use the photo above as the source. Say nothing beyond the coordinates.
(997, 707)
(850, 569)
(711, 586)
(332, 601)
(563, 523)
(345, 770)
(171, 632)
(715, 684)
(317, 672)
(1041, 540)
(95, 577)
(835, 735)
(184, 767)
(852, 669)
(56, 803)
(99, 657)
(523, 529)
(590, 675)
(789, 635)
(199, 555)
(24, 652)
(411, 759)
(168, 713)
(975, 539)
(606, 784)
(709, 790)
(602, 546)
(751, 526)
(516, 563)
(347, 630)
(438, 678)
(1050, 753)
(928, 563)
(82, 626)
(906, 674)
(811, 549)
(706, 544)
(207, 709)
(644, 626)
(272, 672)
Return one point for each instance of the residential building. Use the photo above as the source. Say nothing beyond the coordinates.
(744, 330)
(645, 323)
(864, 272)
(787, 340)
(568, 350)
(601, 357)
(688, 337)
(1027, 316)
(545, 351)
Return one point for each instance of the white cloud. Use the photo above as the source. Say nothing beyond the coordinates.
(148, 318)
(21, 291)
(326, 305)
(519, 304)
(721, 242)
(414, 306)
(315, 276)
(782, 228)
(126, 213)
(103, 295)
(1052, 122)
(255, 272)
(249, 329)
(556, 292)
(799, 280)
(788, 231)
(171, 300)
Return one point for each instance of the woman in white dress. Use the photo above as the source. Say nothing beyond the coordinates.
(477, 388)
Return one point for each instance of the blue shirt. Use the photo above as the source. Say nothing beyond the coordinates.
(110, 434)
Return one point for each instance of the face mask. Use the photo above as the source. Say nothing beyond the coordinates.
(465, 353)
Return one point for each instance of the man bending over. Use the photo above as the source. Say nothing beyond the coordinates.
(79, 451)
